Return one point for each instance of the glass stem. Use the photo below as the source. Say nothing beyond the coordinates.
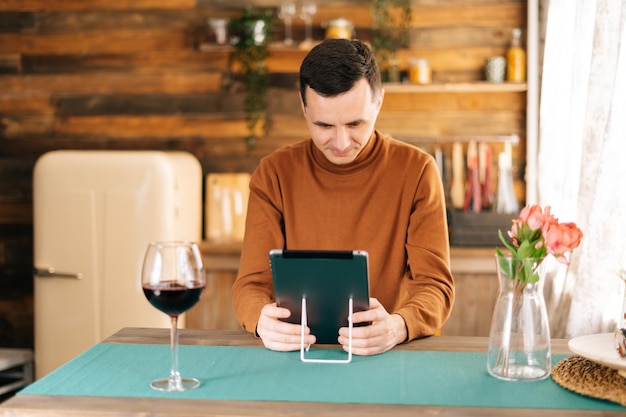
(174, 374)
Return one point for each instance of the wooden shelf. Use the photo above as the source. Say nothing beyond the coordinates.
(272, 46)
(444, 87)
(513, 139)
(467, 87)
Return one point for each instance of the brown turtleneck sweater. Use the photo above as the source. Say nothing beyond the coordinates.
(388, 202)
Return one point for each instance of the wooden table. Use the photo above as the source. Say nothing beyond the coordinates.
(57, 406)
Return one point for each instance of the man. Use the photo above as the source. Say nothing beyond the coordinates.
(348, 187)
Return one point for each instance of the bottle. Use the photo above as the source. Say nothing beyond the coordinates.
(516, 59)
(506, 200)
(393, 70)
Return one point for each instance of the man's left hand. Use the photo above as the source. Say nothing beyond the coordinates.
(385, 331)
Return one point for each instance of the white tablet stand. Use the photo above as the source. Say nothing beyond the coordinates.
(303, 348)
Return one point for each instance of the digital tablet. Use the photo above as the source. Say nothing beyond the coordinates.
(327, 279)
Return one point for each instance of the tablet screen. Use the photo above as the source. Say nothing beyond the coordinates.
(327, 279)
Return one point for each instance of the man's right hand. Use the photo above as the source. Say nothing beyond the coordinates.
(280, 335)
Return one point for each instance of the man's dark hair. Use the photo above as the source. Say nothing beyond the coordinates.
(335, 65)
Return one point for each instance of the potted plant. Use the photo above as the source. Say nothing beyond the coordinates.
(390, 31)
(250, 31)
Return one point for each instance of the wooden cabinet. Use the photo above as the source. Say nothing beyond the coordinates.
(215, 310)
(476, 288)
(473, 269)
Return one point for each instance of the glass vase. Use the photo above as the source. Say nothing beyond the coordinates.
(519, 337)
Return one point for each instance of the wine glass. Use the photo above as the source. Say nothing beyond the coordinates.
(172, 281)
(308, 9)
(287, 12)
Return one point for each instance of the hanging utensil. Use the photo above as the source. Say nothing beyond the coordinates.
(457, 187)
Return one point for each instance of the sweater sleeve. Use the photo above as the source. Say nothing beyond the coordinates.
(428, 278)
(253, 287)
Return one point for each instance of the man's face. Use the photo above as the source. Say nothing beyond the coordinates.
(341, 126)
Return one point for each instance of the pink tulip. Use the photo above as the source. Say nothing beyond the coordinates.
(549, 219)
(561, 239)
(513, 232)
(532, 216)
(539, 233)
(531, 224)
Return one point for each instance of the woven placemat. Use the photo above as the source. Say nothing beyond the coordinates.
(589, 378)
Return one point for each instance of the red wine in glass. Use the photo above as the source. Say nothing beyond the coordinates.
(173, 298)
(173, 279)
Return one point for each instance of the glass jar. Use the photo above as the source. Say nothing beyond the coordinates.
(495, 68)
(339, 28)
(419, 71)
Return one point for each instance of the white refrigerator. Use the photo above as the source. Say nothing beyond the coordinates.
(94, 214)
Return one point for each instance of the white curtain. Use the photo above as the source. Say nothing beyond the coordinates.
(582, 157)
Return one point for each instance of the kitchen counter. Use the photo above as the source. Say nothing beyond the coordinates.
(474, 271)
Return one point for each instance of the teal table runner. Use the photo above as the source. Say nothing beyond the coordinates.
(251, 373)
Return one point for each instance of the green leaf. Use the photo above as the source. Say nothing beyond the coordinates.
(526, 250)
(505, 266)
(390, 31)
(251, 55)
(510, 247)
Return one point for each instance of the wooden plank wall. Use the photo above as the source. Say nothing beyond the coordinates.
(97, 74)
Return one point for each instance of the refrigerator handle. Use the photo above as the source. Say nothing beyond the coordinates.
(51, 273)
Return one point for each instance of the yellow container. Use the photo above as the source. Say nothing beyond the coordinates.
(419, 71)
(516, 59)
(339, 28)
